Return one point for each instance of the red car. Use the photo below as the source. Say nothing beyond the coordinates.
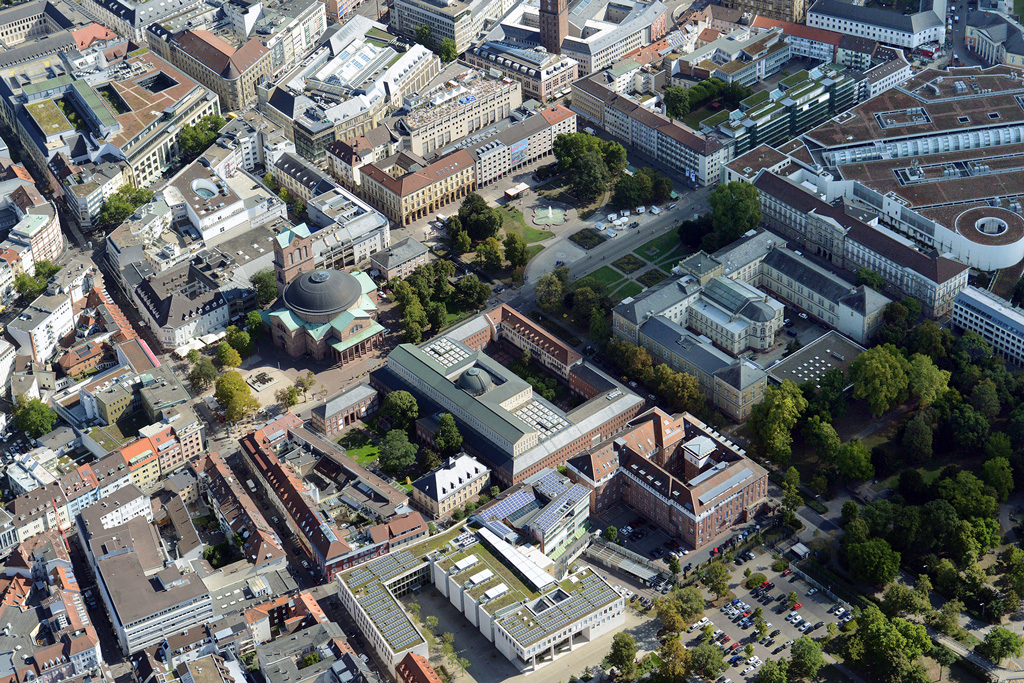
(733, 647)
(765, 584)
(798, 605)
(726, 640)
(747, 613)
(787, 572)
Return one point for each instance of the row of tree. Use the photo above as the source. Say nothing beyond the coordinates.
(644, 187)
(31, 286)
(680, 101)
(677, 391)
(119, 206)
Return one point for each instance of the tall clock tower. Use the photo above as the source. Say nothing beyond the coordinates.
(554, 24)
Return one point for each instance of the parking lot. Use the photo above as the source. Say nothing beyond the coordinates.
(813, 608)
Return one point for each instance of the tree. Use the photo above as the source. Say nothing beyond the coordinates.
(192, 356)
(716, 578)
(549, 292)
(706, 661)
(970, 428)
(1001, 643)
(600, 328)
(396, 453)
(772, 421)
(873, 562)
(461, 242)
(985, 399)
(228, 386)
(270, 182)
(489, 254)
(822, 437)
(447, 437)
(584, 302)
(805, 658)
(202, 374)
(27, 286)
(32, 416)
(241, 405)
(437, 315)
(240, 341)
(423, 35)
(899, 599)
(675, 660)
(516, 252)
(866, 276)
(400, 409)
(622, 656)
(944, 657)
(228, 357)
(854, 461)
(284, 195)
(590, 177)
(447, 51)
(286, 397)
(305, 382)
(917, 439)
(610, 534)
(774, 671)
(122, 204)
(480, 220)
(254, 324)
(677, 101)
(673, 565)
(880, 377)
(926, 381)
(632, 190)
(472, 292)
(266, 285)
(735, 209)
(195, 138)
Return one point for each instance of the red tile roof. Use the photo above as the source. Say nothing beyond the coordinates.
(415, 669)
(87, 35)
(556, 114)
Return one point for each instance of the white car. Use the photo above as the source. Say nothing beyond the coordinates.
(812, 592)
(804, 626)
(747, 670)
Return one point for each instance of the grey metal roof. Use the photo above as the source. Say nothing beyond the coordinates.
(896, 21)
(741, 375)
(398, 253)
(656, 300)
(322, 292)
(999, 30)
(685, 344)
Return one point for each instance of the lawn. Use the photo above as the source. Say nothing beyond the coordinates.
(652, 277)
(629, 289)
(629, 264)
(533, 250)
(607, 276)
(359, 446)
(674, 257)
(659, 247)
(694, 118)
(928, 474)
(514, 221)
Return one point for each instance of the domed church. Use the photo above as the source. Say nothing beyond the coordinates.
(329, 314)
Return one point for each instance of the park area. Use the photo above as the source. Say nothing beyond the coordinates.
(646, 266)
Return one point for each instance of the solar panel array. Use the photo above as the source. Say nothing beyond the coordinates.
(388, 617)
(562, 506)
(590, 595)
(508, 505)
(551, 485)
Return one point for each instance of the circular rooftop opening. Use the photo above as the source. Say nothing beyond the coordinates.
(204, 188)
(990, 225)
(320, 276)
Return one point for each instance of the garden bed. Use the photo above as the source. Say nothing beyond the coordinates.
(629, 264)
(588, 238)
(651, 277)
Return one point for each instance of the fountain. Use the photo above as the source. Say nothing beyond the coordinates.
(549, 216)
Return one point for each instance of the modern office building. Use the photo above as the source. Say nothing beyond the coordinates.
(804, 41)
(460, 21)
(771, 117)
(999, 322)
(531, 619)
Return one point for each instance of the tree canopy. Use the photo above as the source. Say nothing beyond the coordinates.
(400, 409)
(396, 452)
(32, 416)
(122, 204)
(772, 421)
(265, 284)
(447, 438)
(478, 219)
(195, 138)
(879, 377)
(202, 374)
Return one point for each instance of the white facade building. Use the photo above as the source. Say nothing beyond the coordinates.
(889, 27)
(999, 322)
